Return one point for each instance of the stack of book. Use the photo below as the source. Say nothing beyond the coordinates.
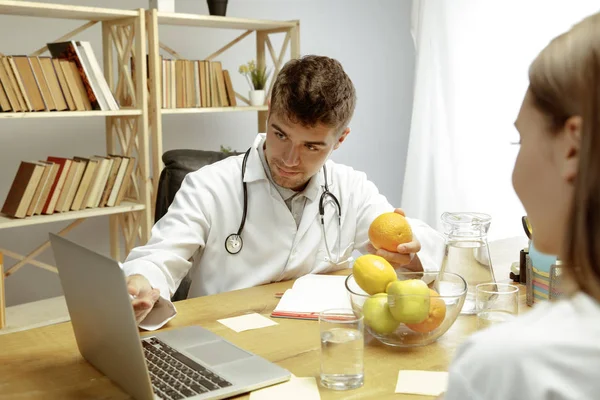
(195, 83)
(70, 80)
(68, 184)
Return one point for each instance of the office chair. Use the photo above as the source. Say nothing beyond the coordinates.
(178, 163)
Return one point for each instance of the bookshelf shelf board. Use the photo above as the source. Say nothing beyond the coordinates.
(210, 21)
(212, 109)
(67, 114)
(45, 10)
(125, 206)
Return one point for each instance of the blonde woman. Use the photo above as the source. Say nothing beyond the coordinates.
(552, 351)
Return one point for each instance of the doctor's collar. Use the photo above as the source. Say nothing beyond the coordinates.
(254, 169)
(313, 190)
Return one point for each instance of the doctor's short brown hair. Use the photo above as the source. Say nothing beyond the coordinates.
(314, 90)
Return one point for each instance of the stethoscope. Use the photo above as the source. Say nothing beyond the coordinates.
(234, 242)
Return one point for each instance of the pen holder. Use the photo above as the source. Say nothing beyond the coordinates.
(542, 285)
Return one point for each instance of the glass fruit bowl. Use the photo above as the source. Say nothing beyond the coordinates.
(418, 308)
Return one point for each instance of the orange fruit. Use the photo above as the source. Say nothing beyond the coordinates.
(389, 230)
(437, 313)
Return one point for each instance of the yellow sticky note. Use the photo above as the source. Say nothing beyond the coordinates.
(294, 389)
(247, 322)
(428, 383)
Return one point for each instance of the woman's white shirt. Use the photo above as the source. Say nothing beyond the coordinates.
(550, 353)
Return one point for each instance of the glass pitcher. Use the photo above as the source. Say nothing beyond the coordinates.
(467, 252)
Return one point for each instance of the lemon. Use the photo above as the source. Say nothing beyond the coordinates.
(373, 273)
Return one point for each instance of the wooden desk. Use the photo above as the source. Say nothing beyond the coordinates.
(44, 363)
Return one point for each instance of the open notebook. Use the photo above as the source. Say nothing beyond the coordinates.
(312, 294)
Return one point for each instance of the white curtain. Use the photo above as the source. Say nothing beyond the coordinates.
(472, 59)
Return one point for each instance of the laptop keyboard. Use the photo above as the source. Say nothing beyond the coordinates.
(175, 376)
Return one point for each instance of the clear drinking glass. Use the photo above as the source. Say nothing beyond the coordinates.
(496, 303)
(467, 252)
(342, 348)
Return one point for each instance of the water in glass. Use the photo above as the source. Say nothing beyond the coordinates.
(486, 319)
(342, 358)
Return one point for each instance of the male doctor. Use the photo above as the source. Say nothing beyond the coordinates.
(284, 173)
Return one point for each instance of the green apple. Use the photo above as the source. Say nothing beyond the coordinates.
(409, 300)
(377, 314)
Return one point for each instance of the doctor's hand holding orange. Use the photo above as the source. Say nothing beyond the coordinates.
(392, 238)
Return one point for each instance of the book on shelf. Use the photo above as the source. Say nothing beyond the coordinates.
(229, 86)
(122, 181)
(23, 188)
(24, 73)
(42, 83)
(67, 194)
(4, 103)
(61, 175)
(94, 82)
(193, 83)
(70, 80)
(60, 184)
(7, 87)
(63, 83)
(111, 180)
(99, 181)
(16, 85)
(97, 76)
(43, 188)
(54, 86)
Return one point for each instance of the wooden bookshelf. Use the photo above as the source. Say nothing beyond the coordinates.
(62, 11)
(261, 29)
(69, 114)
(136, 129)
(210, 21)
(124, 207)
(126, 130)
(123, 38)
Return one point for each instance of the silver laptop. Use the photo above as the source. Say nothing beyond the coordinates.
(182, 363)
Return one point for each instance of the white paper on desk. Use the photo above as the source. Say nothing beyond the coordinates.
(315, 293)
(429, 383)
(247, 322)
(294, 389)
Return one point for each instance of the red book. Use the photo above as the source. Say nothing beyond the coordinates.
(63, 169)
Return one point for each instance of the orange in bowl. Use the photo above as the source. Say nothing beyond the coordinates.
(437, 313)
(389, 230)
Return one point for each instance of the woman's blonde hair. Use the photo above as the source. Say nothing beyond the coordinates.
(565, 82)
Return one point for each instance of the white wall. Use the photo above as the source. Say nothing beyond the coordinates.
(370, 38)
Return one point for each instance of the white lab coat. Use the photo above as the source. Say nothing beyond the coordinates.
(208, 207)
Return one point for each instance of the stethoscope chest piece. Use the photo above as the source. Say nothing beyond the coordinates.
(234, 243)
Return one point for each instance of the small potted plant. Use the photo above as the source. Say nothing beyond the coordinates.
(257, 79)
